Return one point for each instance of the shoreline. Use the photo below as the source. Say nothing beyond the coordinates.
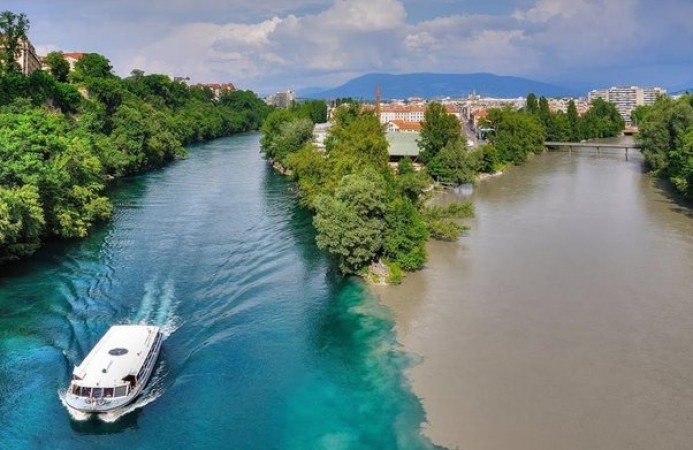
(426, 377)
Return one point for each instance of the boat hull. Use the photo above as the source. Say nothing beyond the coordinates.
(83, 405)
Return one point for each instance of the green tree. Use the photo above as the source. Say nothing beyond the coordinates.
(455, 164)
(271, 129)
(545, 112)
(602, 120)
(58, 66)
(13, 30)
(406, 235)
(437, 130)
(559, 127)
(666, 139)
(315, 110)
(293, 135)
(350, 225)
(517, 135)
(639, 113)
(532, 104)
(356, 142)
(573, 121)
(21, 222)
(92, 65)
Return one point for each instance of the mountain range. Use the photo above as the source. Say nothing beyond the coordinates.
(431, 85)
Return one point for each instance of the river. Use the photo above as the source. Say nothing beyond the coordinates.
(267, 347)
(564, 320)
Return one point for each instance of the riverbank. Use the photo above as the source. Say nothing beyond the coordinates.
(537, 332)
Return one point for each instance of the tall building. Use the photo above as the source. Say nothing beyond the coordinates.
(26, 57)
(281, 99)
(626, 99)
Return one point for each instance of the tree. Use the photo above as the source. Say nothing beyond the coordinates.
(293, 134)
(315, 110)
(13, 29)
(356, 142)
(544, 112)
(666, 139)
(92, 65)
(350, 225)
(136, 73)
(438, 128)
(573, 121)
(517, 135)
(559, 127)
(58, 66)
(455, 164)
(21, 222)
(532, 105)
(406, 236)
(602, 120)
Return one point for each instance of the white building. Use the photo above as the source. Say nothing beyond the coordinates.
(281, 99)
(627, 98)
(414, 114)
(26, 57)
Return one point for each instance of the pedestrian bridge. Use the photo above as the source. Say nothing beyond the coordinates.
(598, 146)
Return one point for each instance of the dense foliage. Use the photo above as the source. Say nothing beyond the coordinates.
(666, 137)
(364, 212)
(60, 142)
(516, 136)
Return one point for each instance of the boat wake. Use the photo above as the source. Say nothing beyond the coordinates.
(158, 306)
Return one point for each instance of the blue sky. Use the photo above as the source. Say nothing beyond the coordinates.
(278, 44)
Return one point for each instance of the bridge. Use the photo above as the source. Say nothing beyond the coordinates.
(570, 146)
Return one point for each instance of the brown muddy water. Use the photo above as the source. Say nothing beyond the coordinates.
(564, 320)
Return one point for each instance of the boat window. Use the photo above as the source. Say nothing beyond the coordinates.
(97, 392)
(121, 391)
(108, 392)
(75, 389)
(86, 392)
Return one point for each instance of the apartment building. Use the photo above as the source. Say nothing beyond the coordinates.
(27, 58)
(627, 98)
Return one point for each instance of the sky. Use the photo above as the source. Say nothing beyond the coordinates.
(273, 45)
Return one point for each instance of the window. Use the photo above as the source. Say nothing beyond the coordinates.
(108, 392)
(86, 392)
(121, 391)
(97, 393)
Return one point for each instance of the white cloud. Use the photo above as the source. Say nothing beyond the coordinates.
(550, 38)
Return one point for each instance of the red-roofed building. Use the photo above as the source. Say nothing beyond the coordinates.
(414, 114)
(72, 58)
(398, 125)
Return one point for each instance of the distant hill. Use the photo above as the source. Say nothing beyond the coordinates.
(680, 88)
(430, 85)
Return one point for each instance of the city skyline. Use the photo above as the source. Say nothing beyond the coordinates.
(293, 45)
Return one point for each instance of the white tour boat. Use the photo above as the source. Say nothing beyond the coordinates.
(116, 370)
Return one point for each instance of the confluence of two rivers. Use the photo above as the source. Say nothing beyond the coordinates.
(563, 321)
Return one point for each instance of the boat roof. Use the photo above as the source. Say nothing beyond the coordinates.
(119, 353)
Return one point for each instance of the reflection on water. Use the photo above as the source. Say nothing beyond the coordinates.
(564, 320)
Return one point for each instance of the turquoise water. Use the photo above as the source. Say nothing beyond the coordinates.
(267, 347)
